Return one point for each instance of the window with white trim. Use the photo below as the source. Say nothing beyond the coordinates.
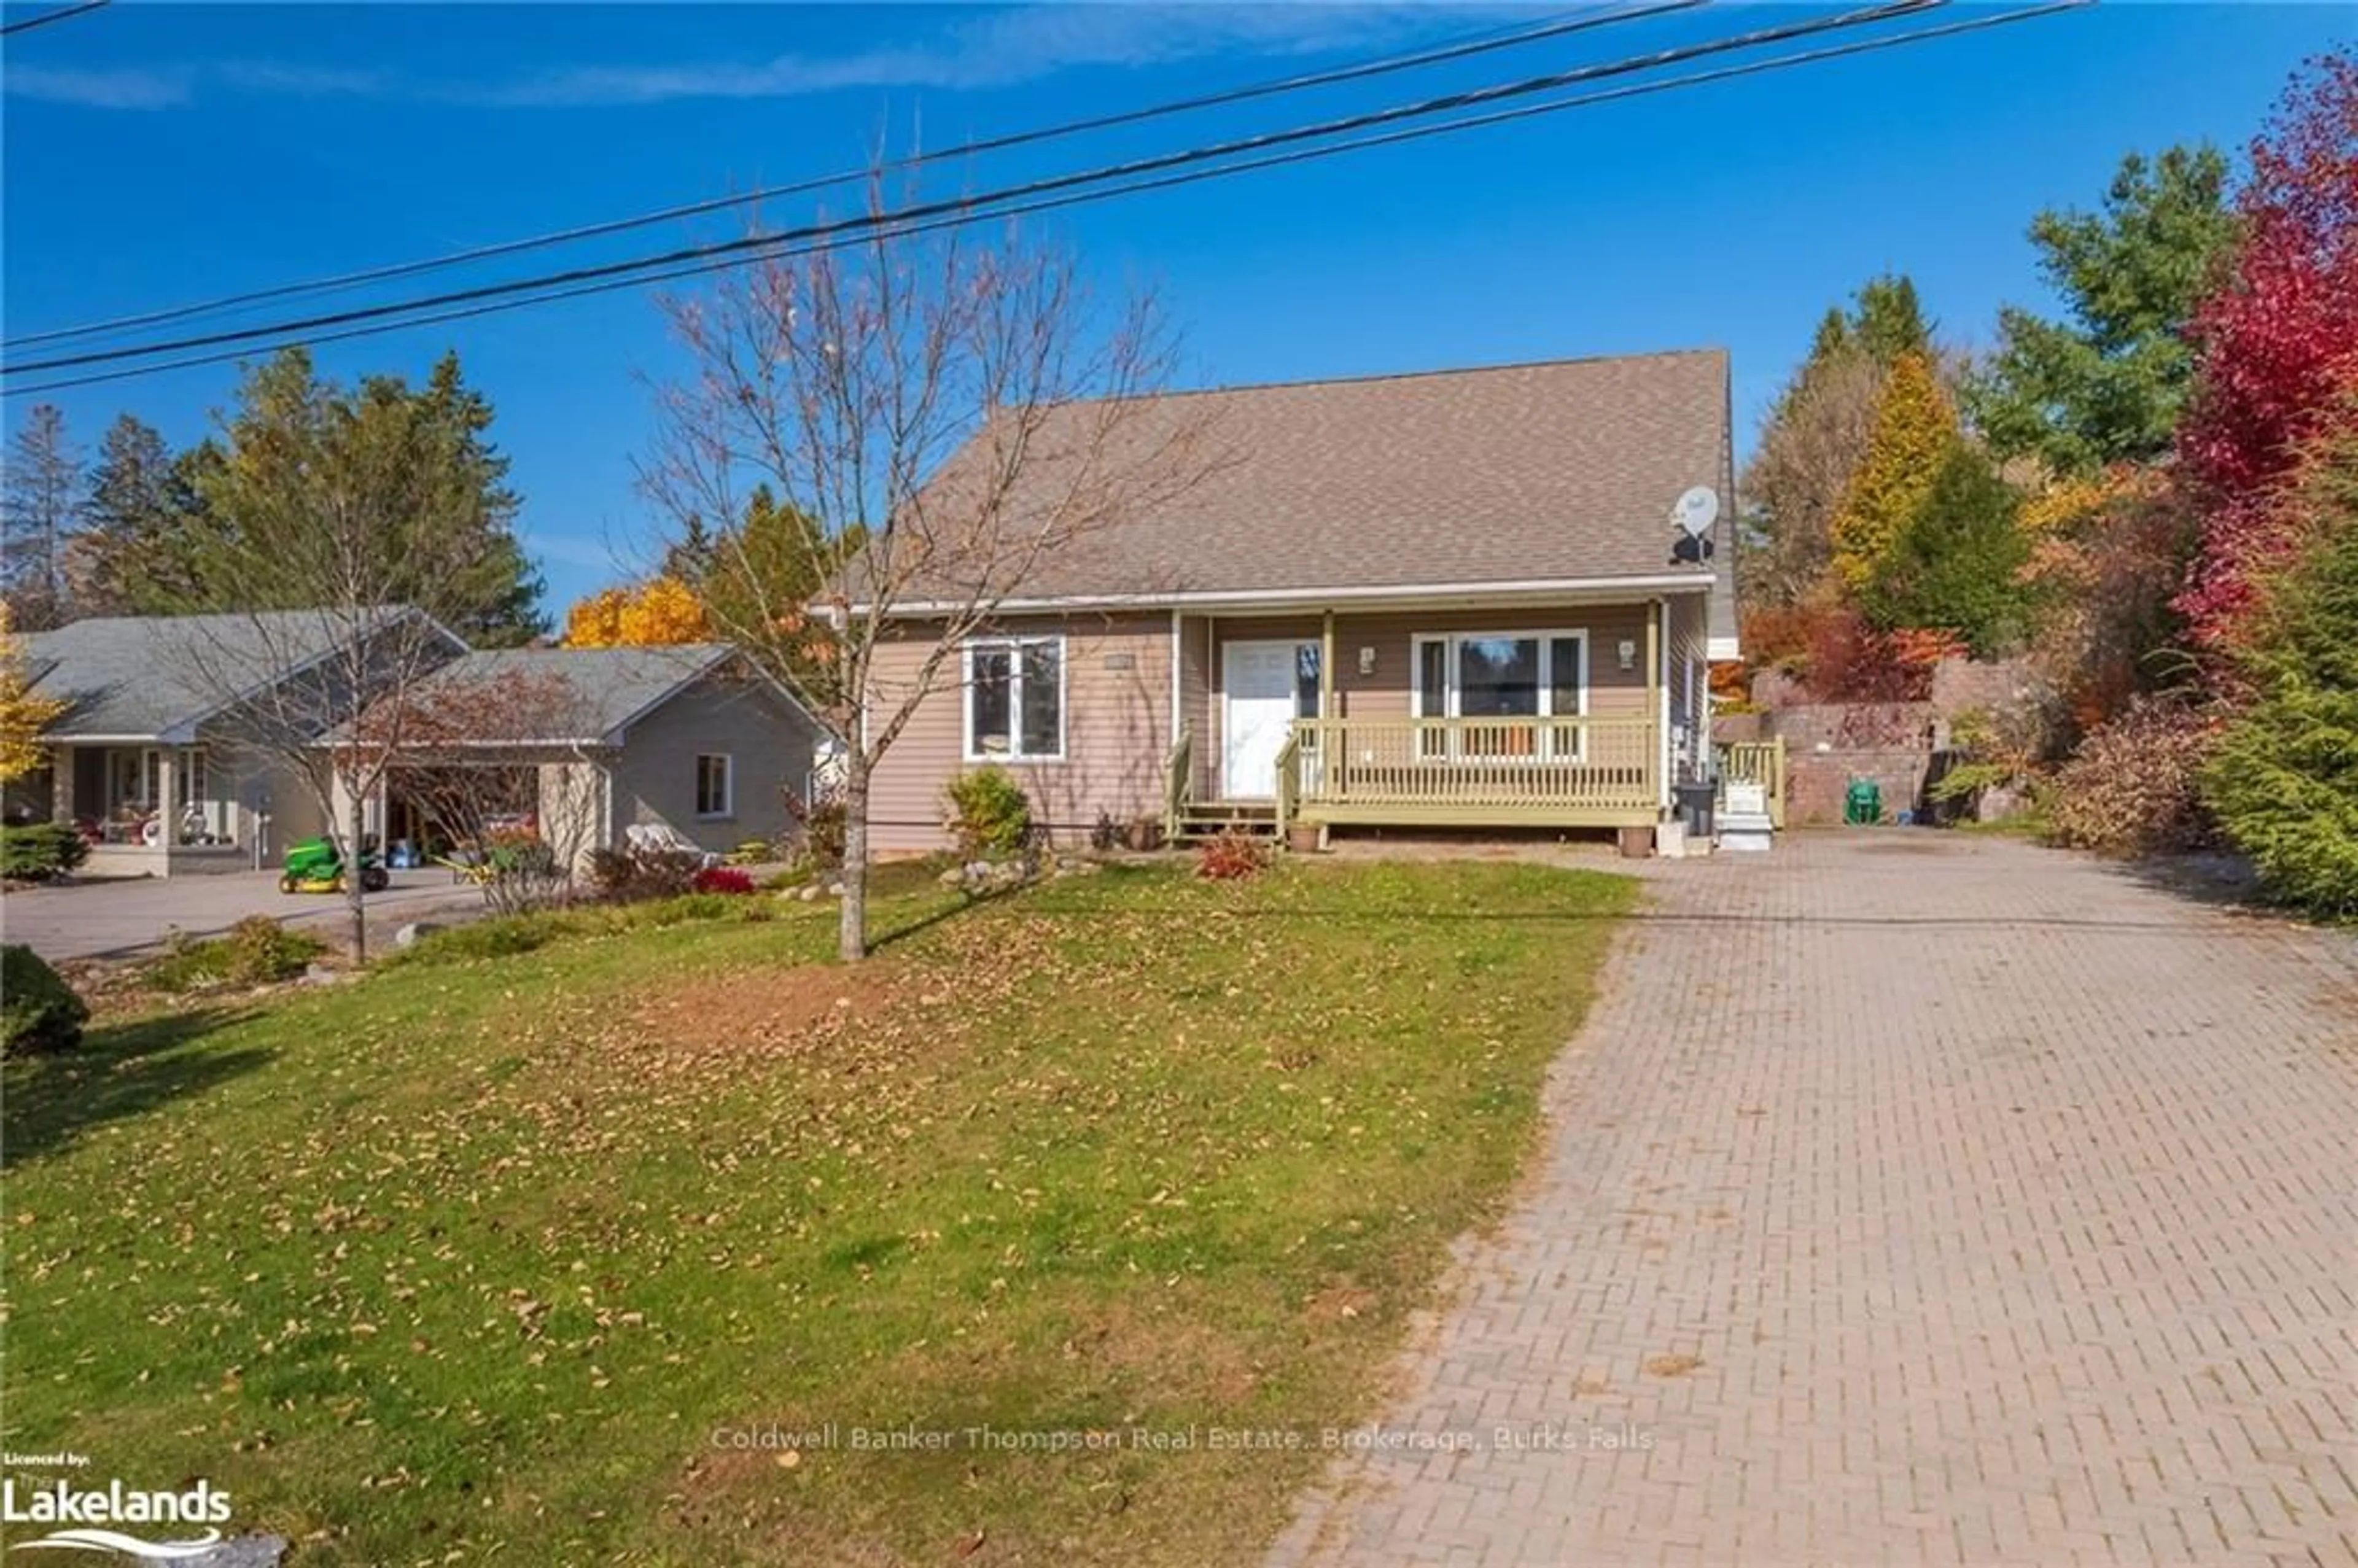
(716, 785)
(1501, 675)
(1014, 699)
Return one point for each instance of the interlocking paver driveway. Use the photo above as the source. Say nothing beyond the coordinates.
(2007, 1207)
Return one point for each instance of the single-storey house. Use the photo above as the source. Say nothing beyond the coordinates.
(155, 764)
(1481, 598)
(599, 741)
(152, 758)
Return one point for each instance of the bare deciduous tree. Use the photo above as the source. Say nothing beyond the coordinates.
(1796, 481)
(939, 417)
(503, 765)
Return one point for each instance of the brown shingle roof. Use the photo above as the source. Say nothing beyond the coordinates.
(1554, 470)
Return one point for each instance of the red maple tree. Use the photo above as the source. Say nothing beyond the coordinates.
(2277, 344)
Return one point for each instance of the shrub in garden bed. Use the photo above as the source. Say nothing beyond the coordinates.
(817, 835)
(257, 951)
(721, 880)
(40, 852)
(990, 814)
(38, 1012)
(629, 874)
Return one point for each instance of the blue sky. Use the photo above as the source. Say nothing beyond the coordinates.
(156, 153)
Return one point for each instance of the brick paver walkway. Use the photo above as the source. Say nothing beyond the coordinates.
(1909, 1199)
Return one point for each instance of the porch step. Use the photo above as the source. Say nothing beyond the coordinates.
(1210, 818)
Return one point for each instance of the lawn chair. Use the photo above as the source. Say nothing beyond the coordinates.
(662, 837)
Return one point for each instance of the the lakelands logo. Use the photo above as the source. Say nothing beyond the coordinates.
(86, 1513)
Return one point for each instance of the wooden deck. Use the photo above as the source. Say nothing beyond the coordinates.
(1536, 772)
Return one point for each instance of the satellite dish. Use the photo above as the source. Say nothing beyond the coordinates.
(1696, 511)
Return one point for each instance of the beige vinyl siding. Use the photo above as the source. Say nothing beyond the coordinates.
(1117, 730)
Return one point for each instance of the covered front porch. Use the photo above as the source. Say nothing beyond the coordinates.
(153, 809)
(1562, 714)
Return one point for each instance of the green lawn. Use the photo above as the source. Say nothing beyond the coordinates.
(471, 1262)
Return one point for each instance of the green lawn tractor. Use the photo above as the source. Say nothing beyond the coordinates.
(313, 865)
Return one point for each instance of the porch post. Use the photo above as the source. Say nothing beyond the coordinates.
(167, 802)
(1329, 761)
(1654, 696)
(1326, 704)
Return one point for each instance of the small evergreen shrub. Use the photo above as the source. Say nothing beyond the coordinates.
(40, 852)
(990, 814)
(38, 1012)
(731, 880)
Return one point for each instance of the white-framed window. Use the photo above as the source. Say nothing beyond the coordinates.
(716, 785)
(1015, 698)
(1534, 675)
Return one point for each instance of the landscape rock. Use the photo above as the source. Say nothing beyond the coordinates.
(321, 975)
(810, 892)
(835, 890)
(408, 936)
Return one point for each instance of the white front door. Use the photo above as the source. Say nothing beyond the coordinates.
(1258, 682)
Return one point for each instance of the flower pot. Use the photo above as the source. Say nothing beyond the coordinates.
(1301, 837)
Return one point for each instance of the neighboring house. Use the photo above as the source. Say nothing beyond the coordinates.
(1439, 600)
(147, 758)
(603, 740)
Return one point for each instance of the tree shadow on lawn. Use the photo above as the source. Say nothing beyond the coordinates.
(120, 1070)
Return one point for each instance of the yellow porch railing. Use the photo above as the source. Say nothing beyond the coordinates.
(1541, 771)
(1761, 763)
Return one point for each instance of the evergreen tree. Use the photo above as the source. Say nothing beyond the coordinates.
(1915, 433)
(461, 418)
(1888, 321)
(39, 511)
(1957, 566)
(472, 569)
(140, 503)
(2105, 384)
(2284, 780)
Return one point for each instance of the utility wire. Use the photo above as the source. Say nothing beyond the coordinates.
(1580, 100)
(1470, 98)
(1463, 48)
(29, 23)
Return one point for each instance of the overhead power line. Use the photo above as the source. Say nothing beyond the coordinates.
(1129, 169)
(899, 229)
(29, 23)
(1467, 46)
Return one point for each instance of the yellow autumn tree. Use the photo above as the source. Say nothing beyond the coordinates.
(661, 613)
(25, 714)
(1915, 433)
(596, 621)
